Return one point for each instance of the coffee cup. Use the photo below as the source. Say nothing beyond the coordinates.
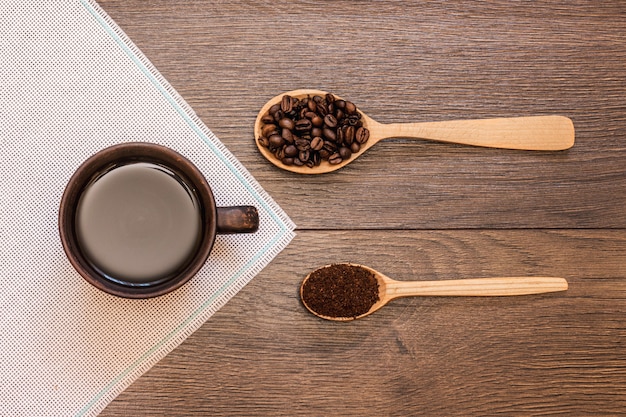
(139, 220)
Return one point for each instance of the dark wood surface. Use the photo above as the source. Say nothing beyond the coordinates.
(412, 209)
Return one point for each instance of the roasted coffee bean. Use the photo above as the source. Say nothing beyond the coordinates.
(345, 153)
(340, 135)
(287, 123)
(268, 129)
(362, 135)
(278, 115)
(329, 134)
(287, 135)
(316, 131)
(348, 134)
(264, 141)
(330, 120)
(317, 143)
(291, 150)
(286, 104)
(303, 144)
(330, 146)
(322, 108)
(303, 125)
(316, 158)
(276, 141)
(324, 154)
(274, 109)
(350, 107)
(304, 155)
(280, 153)
(317, 121)
(309, 130)
(335, 159)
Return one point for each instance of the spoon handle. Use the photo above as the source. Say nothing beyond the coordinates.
(478, 287)
(540, 133)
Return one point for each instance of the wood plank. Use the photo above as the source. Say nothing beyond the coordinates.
(425, 63)
(412, 209)
(552, 353)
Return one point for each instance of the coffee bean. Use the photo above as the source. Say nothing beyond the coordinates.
(362, 135)
(317, 143)
(287, 135)
(302, 144)
(303, 125)
(317, 121)
(349, 134)
(329, 134)
(324, 154)
(312, 129)
(276, 141)
(330, 121)
(264, 141)
(316, 131)
(335, 159)
(268, 129)
(291, 150)
(287, 123)
(304, 155)
(350, 107)
(274, 109)
(278, 115)
(345, 153)
(285, 104)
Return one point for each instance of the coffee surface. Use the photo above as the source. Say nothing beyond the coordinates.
(138, 223)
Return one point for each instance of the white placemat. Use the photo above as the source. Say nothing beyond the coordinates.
(71, 83)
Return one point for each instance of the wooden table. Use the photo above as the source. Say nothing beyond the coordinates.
(412, 209)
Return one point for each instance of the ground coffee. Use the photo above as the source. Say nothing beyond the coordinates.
(340, 290)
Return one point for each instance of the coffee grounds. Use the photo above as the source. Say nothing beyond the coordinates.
(341, 291)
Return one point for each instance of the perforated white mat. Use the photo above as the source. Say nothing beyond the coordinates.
(71, 83)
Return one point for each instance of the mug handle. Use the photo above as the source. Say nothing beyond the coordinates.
(237, 219)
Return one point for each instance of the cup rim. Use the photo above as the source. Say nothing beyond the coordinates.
(125, 153)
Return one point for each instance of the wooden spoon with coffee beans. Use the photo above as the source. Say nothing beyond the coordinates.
(344, 292)
(540, 133)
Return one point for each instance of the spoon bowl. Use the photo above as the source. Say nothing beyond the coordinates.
(390, 289)
(539, 133)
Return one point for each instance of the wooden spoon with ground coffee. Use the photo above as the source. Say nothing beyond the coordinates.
(346, 291)
(287, 126)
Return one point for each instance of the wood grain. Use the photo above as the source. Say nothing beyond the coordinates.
(412, 209)
(263, 353)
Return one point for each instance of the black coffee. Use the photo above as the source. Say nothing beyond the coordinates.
(138, 223)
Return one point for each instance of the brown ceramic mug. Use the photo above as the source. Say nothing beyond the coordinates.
(138, 220)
